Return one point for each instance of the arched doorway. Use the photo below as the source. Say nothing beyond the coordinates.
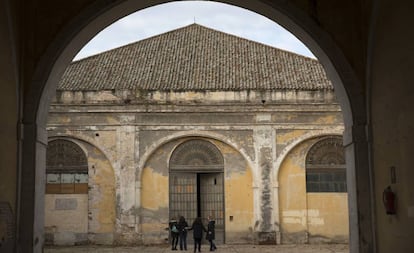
(71, 39)
(196, 183)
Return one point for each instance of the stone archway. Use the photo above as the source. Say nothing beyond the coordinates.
(196, 183)
(95, 18)
(155, 181)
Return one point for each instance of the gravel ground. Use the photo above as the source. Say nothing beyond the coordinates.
(309, 248)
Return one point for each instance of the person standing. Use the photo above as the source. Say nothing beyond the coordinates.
(174, 233)
(182, 228)
(211, 233)
(198, 229)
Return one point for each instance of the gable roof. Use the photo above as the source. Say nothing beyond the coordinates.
(195, 58)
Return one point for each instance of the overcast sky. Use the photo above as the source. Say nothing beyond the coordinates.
(166, 17)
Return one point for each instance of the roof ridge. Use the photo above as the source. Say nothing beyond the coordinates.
(253, 41)
(201, 26)
(135, 42)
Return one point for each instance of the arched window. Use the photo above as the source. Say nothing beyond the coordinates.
(66, 168)
(325, 166)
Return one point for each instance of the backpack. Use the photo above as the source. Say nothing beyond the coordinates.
(174, 229)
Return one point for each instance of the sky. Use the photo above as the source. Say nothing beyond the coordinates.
(170, 16)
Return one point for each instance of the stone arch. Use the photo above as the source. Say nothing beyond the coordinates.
(94, 18)
(78, 139)
(155, 145)
(302, 138)
(153, 190)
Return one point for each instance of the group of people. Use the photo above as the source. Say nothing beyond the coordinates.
(179, 230)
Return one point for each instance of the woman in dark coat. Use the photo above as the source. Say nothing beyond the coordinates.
(198, 229)
(174, 233)
(211, 233)
(182, 228)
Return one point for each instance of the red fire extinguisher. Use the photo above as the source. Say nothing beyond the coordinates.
(388, 198)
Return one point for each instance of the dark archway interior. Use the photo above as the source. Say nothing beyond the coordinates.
(365, 49)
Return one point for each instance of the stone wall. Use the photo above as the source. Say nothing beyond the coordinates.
(255, 131)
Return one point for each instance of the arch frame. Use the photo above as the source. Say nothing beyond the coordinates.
(310, 135)
(215, 153)
(100, 14)
(77, 139)
(314, 146)
(185, 134)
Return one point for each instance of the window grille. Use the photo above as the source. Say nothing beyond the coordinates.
(66, 168)
(325, 166)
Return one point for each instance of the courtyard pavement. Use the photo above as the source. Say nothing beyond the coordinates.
(308, 248)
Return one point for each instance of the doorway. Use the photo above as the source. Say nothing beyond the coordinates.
(196, 184)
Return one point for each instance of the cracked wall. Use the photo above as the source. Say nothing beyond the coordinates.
(137, 138)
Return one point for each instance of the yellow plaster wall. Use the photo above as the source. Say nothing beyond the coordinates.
(239, 202)
(289, 136)
(155, 197)
(154, 191)
(238, 190)
(292, 193)
(328, 214)
(102, 195)
(75, 221)
(322, 215)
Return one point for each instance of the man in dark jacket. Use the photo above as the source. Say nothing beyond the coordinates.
(198, 229)
(211, 233)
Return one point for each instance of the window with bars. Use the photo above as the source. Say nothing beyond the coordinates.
(66, 168)
(325, 166)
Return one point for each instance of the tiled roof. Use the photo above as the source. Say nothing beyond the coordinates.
(195, 58)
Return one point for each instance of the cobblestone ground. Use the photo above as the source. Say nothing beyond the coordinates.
(323, 248)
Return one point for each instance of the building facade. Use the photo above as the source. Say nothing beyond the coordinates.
(195, 122)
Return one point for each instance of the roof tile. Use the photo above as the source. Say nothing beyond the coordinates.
(195, 58)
